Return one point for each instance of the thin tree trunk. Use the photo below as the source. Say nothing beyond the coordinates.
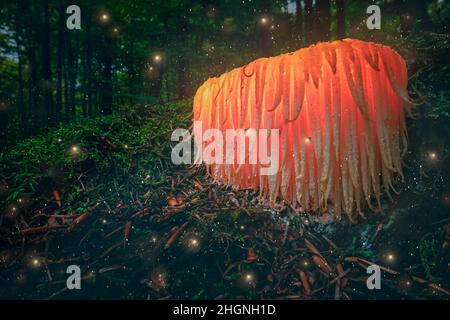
(88, 72)
(340, 23)
(72, 82)
(21, 99)
(46, 66)
(106, 90)
(156, 83)
(323, 19)
(183, 62)
(67, 113)
(131, 72)
(265, 41)
(309, 22)
(59, 63)
(31, 25)
(298, 20)
(69, 81)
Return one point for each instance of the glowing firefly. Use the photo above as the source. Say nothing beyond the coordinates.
(390, 257)
(248, 278)
(35, 262)
(193, 242)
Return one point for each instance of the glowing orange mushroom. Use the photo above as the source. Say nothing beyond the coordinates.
(340, 108)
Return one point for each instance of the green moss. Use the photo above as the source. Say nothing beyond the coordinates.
(129, 146)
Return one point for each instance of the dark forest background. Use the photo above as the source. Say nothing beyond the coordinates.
(151, 51)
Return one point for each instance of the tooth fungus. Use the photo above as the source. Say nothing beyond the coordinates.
(340, 110)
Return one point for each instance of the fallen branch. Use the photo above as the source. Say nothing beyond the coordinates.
(112, 268)
(126, 232)
(84, 216)
(305, 283)
(175, 236)
(37, 230)
(431, 285)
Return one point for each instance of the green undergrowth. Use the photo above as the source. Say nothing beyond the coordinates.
(103, 155)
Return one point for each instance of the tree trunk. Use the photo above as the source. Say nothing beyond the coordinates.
(69, 80)
(309, 22)
(131, 72)
(340, 23)
(46, 67)
(323, 19)
(156, 83)
(265, 41)
(21, 99)
(66, 93)
(67, 88)
(59, 69)
(31, 44)
(106, 88)
(298, 21)
(184, 82)
(72, 82)
(88, 71)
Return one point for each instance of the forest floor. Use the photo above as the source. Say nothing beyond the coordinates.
(102, 194)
